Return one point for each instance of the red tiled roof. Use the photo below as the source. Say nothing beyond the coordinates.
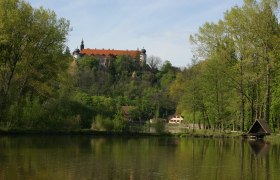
(107, 52)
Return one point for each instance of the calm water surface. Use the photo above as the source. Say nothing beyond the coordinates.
(88, 157)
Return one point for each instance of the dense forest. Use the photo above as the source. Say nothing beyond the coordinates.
(231, 81)
(234, 77)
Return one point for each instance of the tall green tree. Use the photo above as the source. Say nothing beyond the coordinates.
(245, 45)
(31, 49)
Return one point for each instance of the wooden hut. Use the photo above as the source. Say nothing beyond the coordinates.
(259, 129)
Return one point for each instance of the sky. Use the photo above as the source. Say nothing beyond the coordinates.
(162, 27)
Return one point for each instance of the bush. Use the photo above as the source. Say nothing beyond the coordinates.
(74, 122)
(119, 123)
(159, 126)
(102, 123)
(32, 113)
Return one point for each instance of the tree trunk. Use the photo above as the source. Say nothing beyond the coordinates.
(252, 104)
(258, 98)
(268, 93)
(208, 121)
(242, 97)
(193, 119)
(218, 105)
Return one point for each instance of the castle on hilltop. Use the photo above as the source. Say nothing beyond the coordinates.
(105, 54)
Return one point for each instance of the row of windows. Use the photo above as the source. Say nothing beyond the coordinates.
(174, 121)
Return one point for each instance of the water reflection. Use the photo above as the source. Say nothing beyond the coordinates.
(259, 147)
(87, 157)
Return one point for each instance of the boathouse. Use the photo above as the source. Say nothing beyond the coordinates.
(259, 129)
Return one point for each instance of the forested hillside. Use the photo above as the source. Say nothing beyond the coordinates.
(105, 89)
(41, 86)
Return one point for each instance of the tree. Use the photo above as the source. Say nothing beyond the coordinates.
(245, 45)
(255, 33)
(31, 50)
(154, 62)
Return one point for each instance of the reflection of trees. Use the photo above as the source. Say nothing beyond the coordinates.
(79, 157)
(242, 160)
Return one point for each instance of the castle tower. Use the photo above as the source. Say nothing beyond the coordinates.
(76, 54)
(82, 45)
(143, 57)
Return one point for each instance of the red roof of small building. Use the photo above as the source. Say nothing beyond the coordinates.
(107, 52)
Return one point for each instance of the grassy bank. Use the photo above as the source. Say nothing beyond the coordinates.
(20, 131)
(188, 134)
(195, 133)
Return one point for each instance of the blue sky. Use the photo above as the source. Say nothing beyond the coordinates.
(162, 27)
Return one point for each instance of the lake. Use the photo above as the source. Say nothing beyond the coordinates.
(89, 157)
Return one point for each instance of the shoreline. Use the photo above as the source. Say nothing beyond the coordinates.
(275, 137)
(194, 134)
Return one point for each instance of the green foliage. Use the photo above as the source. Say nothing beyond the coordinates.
(232, 80)
(31, 49)
(105, 86)
(41, 88)
(159, 126)
(32, 113)
(88, 62)
(119, 122)
(64, 114)
(102, 123)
